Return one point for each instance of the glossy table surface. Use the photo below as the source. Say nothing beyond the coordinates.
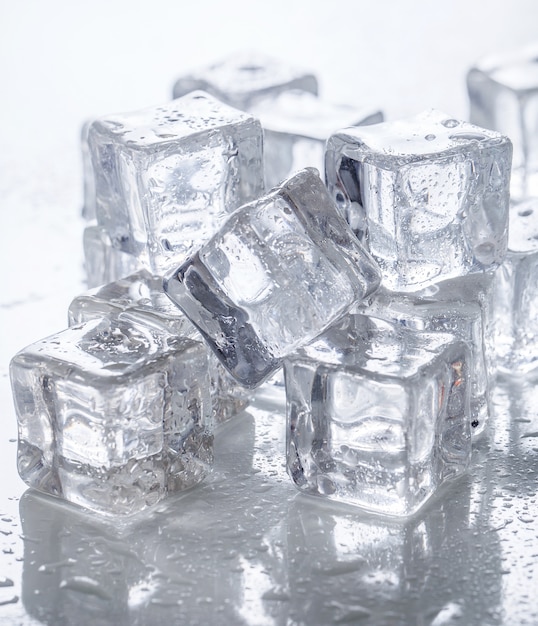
(244, 548)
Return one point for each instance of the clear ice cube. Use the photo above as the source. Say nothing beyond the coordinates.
(503, 94)
(88, 179)
(513, 306)
(243, 77)
(378, 414)
(140, 297)
(104, 263)
(427, 195)
(166, 177)
(457, 306)
(277, 273)
(296, 126)
(113, 415)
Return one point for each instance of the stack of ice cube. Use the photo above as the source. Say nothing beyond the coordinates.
(381, 407)
(503, 93)
(384, 384)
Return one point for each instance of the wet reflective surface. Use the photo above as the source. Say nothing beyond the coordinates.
(245, 548)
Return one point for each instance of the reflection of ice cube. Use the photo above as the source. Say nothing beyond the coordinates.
(242, 78)
(166, 177)
(428, 195)
(123, 414)
(379, 414)
(309, 269)
(457, 307)
(140, 297)
(503, 92)
(296, 127)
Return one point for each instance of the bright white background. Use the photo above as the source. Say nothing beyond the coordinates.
(62, 62)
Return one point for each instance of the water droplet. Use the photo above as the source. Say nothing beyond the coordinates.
(84, 584)
(429, 137)
(468, 137)
(6, 582)
(277, 594)
(450, 123)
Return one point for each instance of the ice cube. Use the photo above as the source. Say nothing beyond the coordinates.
(428, 196)
(457, 306)
(514, 298)
(88, 207)
(278, 272)
(167, 176)
(503, 94)
(243, 77)
(296, 126)
(103, 262)
(113, 415)
(140, 297)
(378, 414)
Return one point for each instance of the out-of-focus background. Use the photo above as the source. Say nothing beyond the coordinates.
(244, 549)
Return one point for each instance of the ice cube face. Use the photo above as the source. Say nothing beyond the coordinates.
(103, 262)
(242, 78)
(503, 94)
(514, 298)
(457, 308)
(113, 415)
(296, 127)
(278, 272)
(378, 415)
(427, 195)
(167, 176)
(140, 297)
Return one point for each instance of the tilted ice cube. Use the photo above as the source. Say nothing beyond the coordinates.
(503, 93)
(104, 262)
(378, 414)
(113, 415)
(296, 126)
(243, 77)
(278, 272)
(514, 298)
(166, 177)
(140, 297)
(456, 306)
(427, 195)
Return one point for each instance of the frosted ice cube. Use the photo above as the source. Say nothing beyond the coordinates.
(456, 306)
(427, 195)
(378, 414)
(243, 77)
(113, 415)
(167, 176)
(278, 272)
(296, 126)
(140, 297)
(514, 298)
(503, 94)
(103, 262)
